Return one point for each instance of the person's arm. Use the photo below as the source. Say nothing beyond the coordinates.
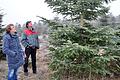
(6, 50)
(19, 46)
(37, 42)
(24, 40)
(21, 49)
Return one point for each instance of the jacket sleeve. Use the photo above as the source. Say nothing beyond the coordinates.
(37, 42)
(6, 50)
(24, 40)
(19, 45)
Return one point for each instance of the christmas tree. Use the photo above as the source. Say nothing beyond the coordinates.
(1, 33)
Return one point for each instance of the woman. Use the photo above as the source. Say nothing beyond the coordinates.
(13, 51)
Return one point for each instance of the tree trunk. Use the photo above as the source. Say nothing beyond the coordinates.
(81, 21)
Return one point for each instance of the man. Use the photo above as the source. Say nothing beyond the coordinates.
(31, 43)
(13, 51)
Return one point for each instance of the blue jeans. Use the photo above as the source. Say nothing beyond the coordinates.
(12, 74)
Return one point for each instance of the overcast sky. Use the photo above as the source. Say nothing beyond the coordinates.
(22, 10)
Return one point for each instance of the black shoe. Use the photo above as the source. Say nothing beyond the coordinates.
(26, 73)
(34, 72)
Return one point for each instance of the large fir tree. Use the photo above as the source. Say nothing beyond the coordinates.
(82, 51)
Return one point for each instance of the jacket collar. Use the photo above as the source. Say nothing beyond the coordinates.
(13, 35)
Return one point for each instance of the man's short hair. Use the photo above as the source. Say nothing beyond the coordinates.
(27, 23)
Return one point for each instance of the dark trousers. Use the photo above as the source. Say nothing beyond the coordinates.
(30, 51)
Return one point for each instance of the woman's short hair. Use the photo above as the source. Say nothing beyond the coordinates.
(8, 28)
